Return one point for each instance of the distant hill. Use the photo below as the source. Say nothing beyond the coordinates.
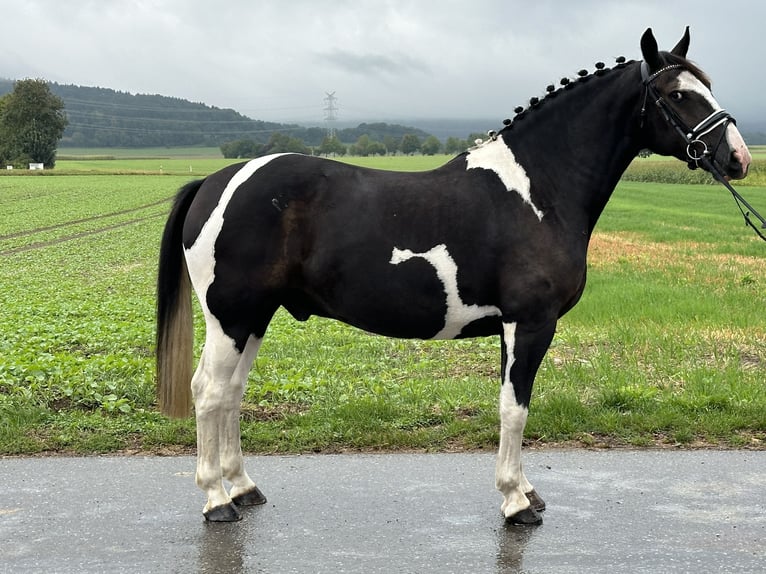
(753, 130)
(102, 117)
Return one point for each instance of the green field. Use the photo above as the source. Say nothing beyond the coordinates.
(667, 347)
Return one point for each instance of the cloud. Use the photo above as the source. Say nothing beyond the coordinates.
(384, 58)
(373, 64)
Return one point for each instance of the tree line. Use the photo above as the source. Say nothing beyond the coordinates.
(365, 145)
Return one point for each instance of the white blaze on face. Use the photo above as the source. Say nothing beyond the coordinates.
(458, 313)
(687, 81)
(498, 157)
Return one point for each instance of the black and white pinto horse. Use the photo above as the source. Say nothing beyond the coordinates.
(492, 243)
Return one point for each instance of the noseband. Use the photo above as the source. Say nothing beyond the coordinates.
(696, 149)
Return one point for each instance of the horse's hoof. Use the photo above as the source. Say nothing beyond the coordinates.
(527, 517)
(224, 513)
(535, 501)
(252, 497)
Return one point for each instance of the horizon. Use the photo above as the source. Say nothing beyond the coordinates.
(274, 61)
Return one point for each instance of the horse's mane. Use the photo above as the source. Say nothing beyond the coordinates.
(551, 91)
(584, 76)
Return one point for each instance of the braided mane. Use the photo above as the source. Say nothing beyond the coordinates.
(567, 84)
(583, 76)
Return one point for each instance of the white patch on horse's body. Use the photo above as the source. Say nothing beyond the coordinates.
(200, 257)
(509, 476)
(458, 313)
(494, 155)
(219, 381)
(687, 81)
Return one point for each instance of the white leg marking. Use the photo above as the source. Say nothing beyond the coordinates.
(498, 157)
(458, 313)
(218, 386)
(213, 404)
(232, 463)
(509, 478)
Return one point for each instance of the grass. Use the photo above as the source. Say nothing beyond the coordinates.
(185, 161)
(667, 346)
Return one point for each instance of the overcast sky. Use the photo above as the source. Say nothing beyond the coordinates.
(384, 59)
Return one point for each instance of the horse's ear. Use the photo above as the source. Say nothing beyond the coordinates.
(650, 50)
(683, 45)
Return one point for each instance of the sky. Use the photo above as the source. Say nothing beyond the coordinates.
(385, 60)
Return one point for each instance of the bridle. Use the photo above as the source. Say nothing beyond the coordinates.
(696, 149)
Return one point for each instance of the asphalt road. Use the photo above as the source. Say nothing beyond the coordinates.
(608, 511)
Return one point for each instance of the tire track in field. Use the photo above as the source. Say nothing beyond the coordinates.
(78, 221)
(42, 244)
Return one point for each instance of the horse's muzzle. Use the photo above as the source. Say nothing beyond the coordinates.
(739, 163)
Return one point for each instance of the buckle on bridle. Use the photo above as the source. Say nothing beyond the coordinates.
(696, 150)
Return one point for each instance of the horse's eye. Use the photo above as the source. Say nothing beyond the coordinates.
(676, 96)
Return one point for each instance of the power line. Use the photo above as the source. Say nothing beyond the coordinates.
(80, 113)
(134, 130)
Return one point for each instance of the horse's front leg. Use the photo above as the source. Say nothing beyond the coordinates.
(522, 354)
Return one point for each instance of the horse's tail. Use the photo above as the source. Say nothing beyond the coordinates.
(175, 328)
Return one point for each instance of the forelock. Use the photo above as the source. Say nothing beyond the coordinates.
(690, 66)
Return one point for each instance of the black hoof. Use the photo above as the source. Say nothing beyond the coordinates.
(225, 513)
(527, 517)
(252, 497)
(535, 501)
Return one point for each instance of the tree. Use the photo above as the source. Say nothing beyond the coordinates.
(376, 148)
(410, 144)
(431, 146)
(281, 143)
(32, 122)
(331, 145)
(455, 145)
(361, 147)
(240, 148)
(391, 144)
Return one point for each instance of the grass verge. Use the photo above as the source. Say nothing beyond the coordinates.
(667, 347)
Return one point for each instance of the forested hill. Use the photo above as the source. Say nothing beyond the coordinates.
(102, 117)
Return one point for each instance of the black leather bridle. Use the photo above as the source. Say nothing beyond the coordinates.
(696, 149)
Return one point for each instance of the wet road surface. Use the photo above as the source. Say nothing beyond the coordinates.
(608, 511)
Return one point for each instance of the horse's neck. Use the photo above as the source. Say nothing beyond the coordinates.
(577, 145)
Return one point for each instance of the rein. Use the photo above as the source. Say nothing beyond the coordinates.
(696, 149)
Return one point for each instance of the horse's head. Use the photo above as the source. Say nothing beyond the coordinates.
(680, 115)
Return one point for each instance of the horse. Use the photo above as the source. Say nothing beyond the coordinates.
(492, 243)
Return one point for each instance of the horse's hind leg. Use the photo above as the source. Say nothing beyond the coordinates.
(218, 386)
(243, 492)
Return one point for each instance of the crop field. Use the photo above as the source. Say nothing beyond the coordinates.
(666, 348)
